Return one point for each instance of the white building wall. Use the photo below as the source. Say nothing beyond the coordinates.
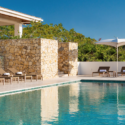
(86, 68)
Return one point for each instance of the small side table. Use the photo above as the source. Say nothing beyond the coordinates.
(114, 74)
(2, 79)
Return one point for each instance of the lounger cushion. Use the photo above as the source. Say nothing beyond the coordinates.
(102, 70)
(19, 73)
(6, 74)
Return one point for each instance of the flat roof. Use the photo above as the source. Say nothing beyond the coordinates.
(26, 19)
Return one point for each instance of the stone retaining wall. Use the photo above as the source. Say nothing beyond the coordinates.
(40, 56)
(68, 57)
(31, 55)
(22, 54)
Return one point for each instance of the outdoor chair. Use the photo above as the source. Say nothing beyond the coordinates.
(122, 71)
(4, 73)
(27, 75)
(10, 78)
(35, 75)
(102, 70)
(19, 74)
(6, 76)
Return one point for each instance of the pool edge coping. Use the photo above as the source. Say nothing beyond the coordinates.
(35, 88)
(57, 84)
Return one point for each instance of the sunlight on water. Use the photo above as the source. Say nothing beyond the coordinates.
(74, 104)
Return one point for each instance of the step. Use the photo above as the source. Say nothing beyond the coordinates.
(62, 75)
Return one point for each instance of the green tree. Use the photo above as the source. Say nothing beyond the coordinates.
(87, 49)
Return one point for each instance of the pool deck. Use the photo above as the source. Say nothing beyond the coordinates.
(28, 85)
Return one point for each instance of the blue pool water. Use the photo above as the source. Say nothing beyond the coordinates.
(74, 104)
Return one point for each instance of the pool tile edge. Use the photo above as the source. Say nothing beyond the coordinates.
(57, 84)
(35, 88)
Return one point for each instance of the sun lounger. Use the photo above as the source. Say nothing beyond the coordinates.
(35, 75)
(13, 70)
(19, 74)
(102, 70)
(10, 78)
(105, 70)
(5, 75)
(122, 71)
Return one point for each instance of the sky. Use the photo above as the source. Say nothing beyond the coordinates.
(93, 18)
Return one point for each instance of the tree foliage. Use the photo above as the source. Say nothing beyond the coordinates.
(87, 49)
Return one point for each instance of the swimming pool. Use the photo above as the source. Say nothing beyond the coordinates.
(83, 103)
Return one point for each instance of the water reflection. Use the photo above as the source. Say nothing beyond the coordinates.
(49, 104)
(121, 101)
(73, 100)
(83, 103)
(20, 108)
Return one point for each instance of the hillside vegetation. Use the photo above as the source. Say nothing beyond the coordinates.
(87, 49)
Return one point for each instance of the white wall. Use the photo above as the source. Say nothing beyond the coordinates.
(86, 68)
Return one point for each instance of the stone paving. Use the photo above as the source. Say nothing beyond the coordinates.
(28, 84)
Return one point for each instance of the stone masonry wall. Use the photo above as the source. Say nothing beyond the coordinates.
(67, 58)
(2, 62)
(22, 54)
(41, 56)
(31, 56)
(49, 58)
(63, 57)
(73, 59)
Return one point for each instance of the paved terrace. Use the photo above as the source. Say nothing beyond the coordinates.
(28, 85)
